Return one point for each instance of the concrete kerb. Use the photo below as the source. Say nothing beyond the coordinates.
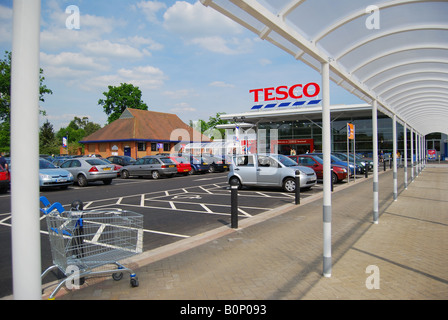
(151, 256)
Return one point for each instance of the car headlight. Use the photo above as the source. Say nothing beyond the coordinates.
(44, 176)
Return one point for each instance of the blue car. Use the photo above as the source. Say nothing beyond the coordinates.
(52, 176)
(198, 164)
(336, 160)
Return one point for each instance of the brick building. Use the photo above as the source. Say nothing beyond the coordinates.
(138, 133)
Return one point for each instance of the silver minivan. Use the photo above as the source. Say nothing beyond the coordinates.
(274, 170)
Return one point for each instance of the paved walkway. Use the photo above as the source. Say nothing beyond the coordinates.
(278, 255)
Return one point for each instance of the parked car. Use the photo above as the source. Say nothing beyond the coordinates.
(58, 160)
(269, 170)
(87, 169)
(53, 176)
(338, 172)
(4, 180)
(359, 163)
(336, 160)
(216, 164)
(154, 166)
(121, 160)
(183, 165)
(198, 164)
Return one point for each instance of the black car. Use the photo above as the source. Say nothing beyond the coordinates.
(121, 160)
(216, 163)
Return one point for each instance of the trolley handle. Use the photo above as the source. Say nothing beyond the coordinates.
(50, 207)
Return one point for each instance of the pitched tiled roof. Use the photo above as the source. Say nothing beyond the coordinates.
(135, 124)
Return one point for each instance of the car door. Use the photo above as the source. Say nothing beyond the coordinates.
(244, 167)
(268, 171)
(136, 169)
(313, 164)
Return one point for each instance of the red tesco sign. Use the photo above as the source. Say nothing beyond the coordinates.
(296, 91)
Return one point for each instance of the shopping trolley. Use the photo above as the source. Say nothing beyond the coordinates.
(91, 242)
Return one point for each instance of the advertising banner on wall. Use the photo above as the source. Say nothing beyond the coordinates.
(432, 154)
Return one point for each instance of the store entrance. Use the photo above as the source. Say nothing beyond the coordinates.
(294, 146)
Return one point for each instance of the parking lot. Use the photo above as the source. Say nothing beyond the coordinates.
(173, 209)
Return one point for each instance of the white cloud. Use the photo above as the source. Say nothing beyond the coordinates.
(196, 20)
(150, 9)
(183, 107)
(105, 48)
(144, 77)
(139, 41)
(5, 24)
(265, 62)
(205, 27)
(221, 84)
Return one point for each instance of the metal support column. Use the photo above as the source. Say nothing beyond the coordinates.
(405, 156)
(375, 160)
(417, 155)
(326, 149)
(394, 156)
(25, 225)
(412, 154)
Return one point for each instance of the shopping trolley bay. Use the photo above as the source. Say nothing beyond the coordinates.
(171, 210)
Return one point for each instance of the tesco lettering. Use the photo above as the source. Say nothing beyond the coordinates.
(296, 91)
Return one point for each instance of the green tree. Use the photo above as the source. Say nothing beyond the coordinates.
(47, 139)
(119, 98)
(5, 99)
(76, 130)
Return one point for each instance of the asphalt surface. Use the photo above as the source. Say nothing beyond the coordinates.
(173, 208)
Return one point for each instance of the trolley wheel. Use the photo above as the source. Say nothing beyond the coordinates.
(117, 276)
(134, 282)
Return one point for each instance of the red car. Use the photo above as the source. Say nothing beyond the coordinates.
(338, 173)
(4, 180)
(183, 165)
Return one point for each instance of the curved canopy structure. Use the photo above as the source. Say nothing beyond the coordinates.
(394, 52)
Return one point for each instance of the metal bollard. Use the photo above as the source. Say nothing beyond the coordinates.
(234, 204)
(297, 191)
(366, 171)
(384, 162)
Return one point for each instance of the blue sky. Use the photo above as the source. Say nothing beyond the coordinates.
(185, 58)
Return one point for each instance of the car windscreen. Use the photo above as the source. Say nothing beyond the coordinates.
(96, 162)
(287, 162)
(44, 164)
(167, 160)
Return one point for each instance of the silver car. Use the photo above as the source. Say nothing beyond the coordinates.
(87, 169)
(274, 170)
(53, 176)
(154, 166)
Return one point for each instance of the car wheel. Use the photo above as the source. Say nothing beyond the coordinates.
(289, 185)
(212, 169)
(124, 174)
(235, 181)
(192, 171)
(334, 178)
(82, 181)
(155, 175)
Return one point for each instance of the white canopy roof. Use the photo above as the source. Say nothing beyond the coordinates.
(393, 51)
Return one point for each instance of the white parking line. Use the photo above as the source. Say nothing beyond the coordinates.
(206, 208)
(244, 212)
(172, 205)
(263, 194)
(205, 190)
